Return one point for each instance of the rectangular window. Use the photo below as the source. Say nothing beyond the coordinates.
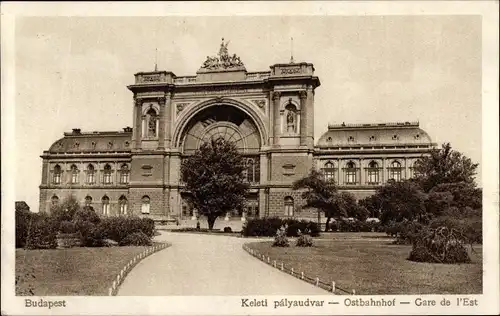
(74, 178)
(90, 178)
(105, 209)
(124, 178)
(107, 178)
(373, 176)
(123, 209)
(57, 178)
(145, 208)
(350, 176)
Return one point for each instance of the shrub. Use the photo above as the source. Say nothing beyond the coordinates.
(117, 228)
(439, 245)
(409, 232)
(294, 226)
(469, 227)
(304, 240)
(67, 227)
(280, 239)
(136, 239)
(23, 220)
(41, 233)
(228, 229)
(87, 213)
(269, 225)
(262, 226)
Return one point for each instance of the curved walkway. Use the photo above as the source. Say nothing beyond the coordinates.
(198, 264)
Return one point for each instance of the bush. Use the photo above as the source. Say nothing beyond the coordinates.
(409, 232)
(136, 239)
(23, 220)
(41, 233)
(304, 241)
(117, 228)
(439, 245)
(280, 239)
(67, 227)
(228, 229)
(88, 214)
(469, 227)
(294, 226)
(269, 225)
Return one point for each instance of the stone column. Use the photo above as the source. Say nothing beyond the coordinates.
(138, 123)
(361, 173)
(303, 117)
(168, 120)
(161, 127)
(276, 117)
(383, 171)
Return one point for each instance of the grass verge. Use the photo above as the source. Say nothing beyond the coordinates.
(377, 267)
(74, 271)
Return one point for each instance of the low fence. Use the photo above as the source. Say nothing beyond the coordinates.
(329, 286)
(113, 289)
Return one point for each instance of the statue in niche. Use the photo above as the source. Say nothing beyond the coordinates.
(290, 121)
(151, 119)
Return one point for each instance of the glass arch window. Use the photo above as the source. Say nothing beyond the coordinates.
(90, 174)
(252, 170)
(74, 174)
(395, 171)
(373, 173)
(105, 205)
(123, 202)
(329, 171)
(350, 173)
(289, 204)
(107, 174)
(57, 174)
(146, 202)
(221, 121)
(124, 174)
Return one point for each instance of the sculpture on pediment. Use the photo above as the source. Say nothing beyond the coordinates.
(223, 61)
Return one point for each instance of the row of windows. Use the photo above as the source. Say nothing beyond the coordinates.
(90, 174)
(122, 202)
(394, 172)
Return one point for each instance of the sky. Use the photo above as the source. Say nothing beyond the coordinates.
(72, 72)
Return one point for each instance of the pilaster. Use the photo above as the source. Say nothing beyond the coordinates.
(276, 117)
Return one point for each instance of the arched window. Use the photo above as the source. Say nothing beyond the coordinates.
(124, 174)
(107, 174)
(290, 118)
(88, 200)
(372, 173)
(329, 171)
(145, 204)
(151, 123)
(350, 173)
(288, 206)
(74, 174)
(122, 201)
(57, 174)
(395, 171)
(54, 200)
(105, 205)
(90, 174)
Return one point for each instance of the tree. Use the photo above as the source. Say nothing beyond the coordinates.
(402, 200)
(323, 195)
(373, 204)
(444, 165)
(214, 178)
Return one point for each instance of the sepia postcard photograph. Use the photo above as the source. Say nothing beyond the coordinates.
(250, 158)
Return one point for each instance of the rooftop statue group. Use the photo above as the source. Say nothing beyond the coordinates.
(224, 61)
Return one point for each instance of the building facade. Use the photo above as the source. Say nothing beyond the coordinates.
(269, 115)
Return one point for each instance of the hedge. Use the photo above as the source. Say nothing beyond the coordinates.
(270, 225)
(117, 228)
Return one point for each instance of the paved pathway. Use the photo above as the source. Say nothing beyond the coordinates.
(198, 264)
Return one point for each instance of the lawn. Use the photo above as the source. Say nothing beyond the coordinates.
(376, 267)
(74, 271)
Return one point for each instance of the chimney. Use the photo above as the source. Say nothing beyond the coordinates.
(127, 129)
(76, 131)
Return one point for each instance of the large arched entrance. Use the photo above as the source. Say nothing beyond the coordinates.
(234, 125)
